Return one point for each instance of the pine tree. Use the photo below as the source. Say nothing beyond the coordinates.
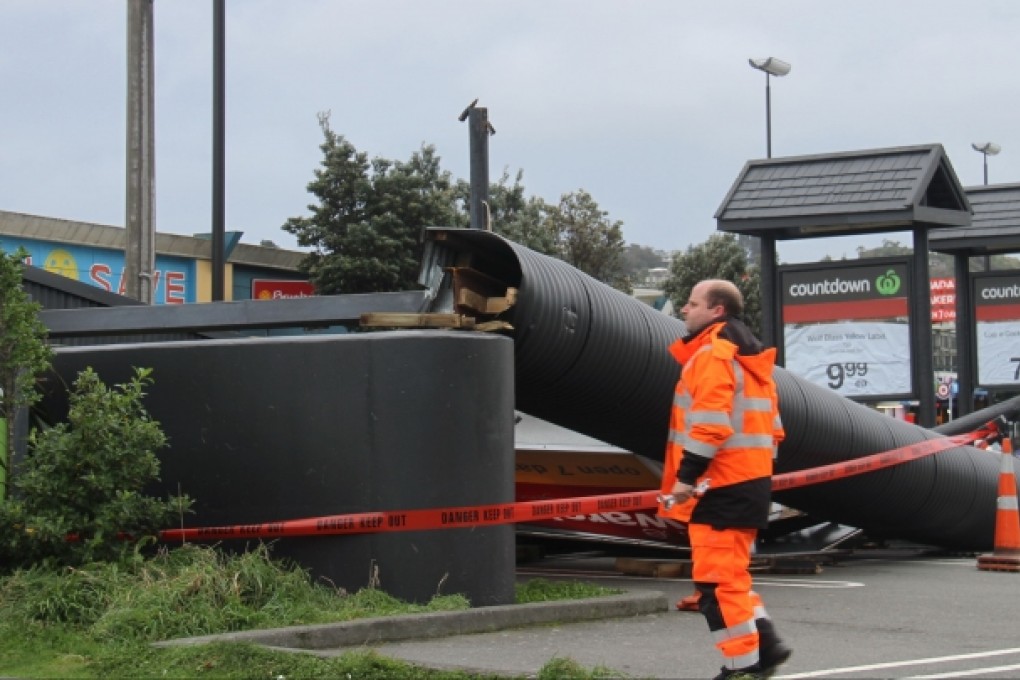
(367, 226)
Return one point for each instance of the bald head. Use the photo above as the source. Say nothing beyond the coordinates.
(710, 301)
(724, 293)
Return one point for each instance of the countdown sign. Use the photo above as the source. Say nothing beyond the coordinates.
(847, 327)
(997, 313)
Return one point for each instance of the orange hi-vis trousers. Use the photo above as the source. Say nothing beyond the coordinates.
(721, 575)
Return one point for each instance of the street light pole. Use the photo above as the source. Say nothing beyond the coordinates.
(772, 67)
(219, 260)
(986, 149)
(140, 192)
(769, 334)
(768, 116)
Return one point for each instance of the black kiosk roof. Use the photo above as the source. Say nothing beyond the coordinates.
(833, 194)
(994, 229)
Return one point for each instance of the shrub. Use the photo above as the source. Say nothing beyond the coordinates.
(80, 488)
(24, 354)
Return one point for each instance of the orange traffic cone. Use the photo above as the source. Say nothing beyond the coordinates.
(1006, 551)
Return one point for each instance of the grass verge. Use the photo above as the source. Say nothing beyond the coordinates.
(98, 621)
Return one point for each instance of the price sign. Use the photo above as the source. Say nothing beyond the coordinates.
(839, 373)
(856, 359)
(997, 310)
(998, 350)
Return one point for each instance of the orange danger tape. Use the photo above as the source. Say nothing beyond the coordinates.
(472, 516)
(876, 461)
(417, 520)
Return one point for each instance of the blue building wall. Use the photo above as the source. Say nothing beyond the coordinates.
(176, 280)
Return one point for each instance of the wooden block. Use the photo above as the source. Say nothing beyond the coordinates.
(680, 569)
(635, 567)
(407, 320)
(654, 568)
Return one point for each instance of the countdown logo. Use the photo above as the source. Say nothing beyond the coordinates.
(1001, 293)
(886, 284)
(835, 286)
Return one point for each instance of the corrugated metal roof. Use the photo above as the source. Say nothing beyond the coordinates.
(845, 193)
(995, 227)
(52, 291)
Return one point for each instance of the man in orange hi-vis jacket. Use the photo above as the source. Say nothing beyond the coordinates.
(724, 433)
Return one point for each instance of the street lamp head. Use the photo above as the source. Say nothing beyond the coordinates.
(987, 148)
(771, 65)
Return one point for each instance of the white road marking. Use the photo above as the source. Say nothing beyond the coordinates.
(609, 576)
(960, 674)
(806, 583)
(900, 664)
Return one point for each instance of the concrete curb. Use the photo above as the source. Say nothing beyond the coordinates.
(441, 624)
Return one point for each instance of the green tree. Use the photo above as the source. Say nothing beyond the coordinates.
(366, 229)
(514, 215)
(1003, 262)
(576, 230)
(24, 354)
(720, 257)
(889, 248)
(939, 264)
(637, 260)
(85, 478)
(367, 226)
(588, 239)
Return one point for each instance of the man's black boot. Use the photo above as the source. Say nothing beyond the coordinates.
(749, 673)
(771, 650)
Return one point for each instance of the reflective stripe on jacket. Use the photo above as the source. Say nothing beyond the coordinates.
(726, 410)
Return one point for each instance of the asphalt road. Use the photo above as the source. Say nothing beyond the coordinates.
(880, 614)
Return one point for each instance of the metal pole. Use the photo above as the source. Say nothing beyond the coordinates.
(769, 304)
(478, 130)
(140, 205)
(986, 260)
(768, 117)
(964, 339)
(920, 330)
(219, 165)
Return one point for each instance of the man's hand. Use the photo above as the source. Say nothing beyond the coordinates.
(682, 492)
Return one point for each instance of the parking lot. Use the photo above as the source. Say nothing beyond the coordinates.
(884, 613)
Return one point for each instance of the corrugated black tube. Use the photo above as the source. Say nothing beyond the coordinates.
(1008, 409)
(595, 360)
(587, 357)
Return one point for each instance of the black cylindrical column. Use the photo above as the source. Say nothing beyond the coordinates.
(290, 428)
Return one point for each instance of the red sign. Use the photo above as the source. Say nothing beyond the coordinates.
(280, 289)
(943, 299)
(853, 309)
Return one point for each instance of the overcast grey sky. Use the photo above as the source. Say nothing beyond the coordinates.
(649, 105)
